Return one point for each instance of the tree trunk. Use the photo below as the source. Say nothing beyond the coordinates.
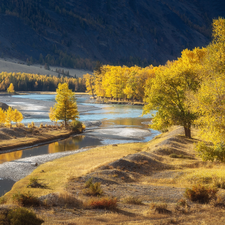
(187, 131)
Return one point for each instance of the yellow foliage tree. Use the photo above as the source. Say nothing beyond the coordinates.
(2, 116)
(10, 89)
(9, 117)
(209, 101)
(66, 107)
(166, 93)
(17, 116)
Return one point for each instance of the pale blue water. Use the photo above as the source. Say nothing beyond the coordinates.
(111, 115)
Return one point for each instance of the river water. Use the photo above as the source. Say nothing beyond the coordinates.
(111, 124)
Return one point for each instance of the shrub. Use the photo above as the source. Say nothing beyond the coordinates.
(41, 125)
(93, 189)
(200, 193)
(22, 216)
(88, 182)
(34, 183)
(76, 126)
(102, 203)
(132, 200)
(211, 153)
(26, 199)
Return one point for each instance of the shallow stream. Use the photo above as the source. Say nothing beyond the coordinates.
(106, 124)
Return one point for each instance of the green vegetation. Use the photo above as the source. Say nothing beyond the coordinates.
(211, 153)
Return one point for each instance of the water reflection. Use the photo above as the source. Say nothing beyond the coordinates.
(127, 122)
(67, 145)
(7, 157)
(72, 143)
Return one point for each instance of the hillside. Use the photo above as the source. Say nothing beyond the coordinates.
(78, 33)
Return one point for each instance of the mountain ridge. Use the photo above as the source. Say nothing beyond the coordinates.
(78, 33)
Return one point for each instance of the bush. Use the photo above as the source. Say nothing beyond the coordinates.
(93, 189)
(26, 199)
(211, 153)
(89, 182)
(77, 126)
(102, 203)
(34, 183)
(200, 193)
(19, 216)
(132, 200)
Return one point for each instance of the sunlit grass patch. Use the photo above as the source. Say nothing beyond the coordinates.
(214, 176)
(132, 200)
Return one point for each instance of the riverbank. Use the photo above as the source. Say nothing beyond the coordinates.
(17, 138)
(119, 101)
(142, 172)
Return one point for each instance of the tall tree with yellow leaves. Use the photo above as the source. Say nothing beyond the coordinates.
(209, 101)
(166, 93)
(66, 107)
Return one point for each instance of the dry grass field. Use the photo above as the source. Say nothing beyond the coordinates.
(141, 183)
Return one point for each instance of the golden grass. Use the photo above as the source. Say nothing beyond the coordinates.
(56, 173)
(202, 175)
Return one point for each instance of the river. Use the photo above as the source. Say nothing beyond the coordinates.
(106, 124)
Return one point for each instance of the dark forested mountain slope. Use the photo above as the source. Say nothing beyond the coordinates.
(77, 33)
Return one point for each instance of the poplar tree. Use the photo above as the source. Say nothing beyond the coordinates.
(66, 107)
(166, 93)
